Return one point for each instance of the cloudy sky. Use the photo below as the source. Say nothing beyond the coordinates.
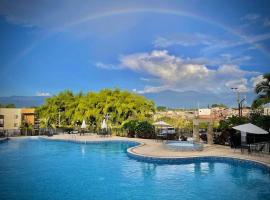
(142, 46)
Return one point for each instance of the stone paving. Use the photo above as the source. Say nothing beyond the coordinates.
(153, 148)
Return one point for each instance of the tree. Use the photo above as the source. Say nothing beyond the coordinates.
(260, 120)
(131, 126)
(10, 105)
(177, 122)
(146, 130)
(218, 105)
(161, 108)
(92, 107)
(262, 90)
(232, 121)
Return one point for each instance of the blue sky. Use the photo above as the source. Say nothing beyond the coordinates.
(141, 46)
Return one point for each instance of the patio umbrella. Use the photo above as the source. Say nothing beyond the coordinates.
(103, 124)
(161, 123)
(83, 124)
(249, 128)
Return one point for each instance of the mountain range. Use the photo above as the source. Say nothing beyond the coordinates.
(171, 99)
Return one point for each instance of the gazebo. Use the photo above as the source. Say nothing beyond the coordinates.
(249, 128)
(161, 124)
(163, 129)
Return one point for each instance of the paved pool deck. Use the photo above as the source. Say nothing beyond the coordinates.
(153, 148)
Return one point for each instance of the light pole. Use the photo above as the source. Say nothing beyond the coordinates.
(239, 102)
(235, 89)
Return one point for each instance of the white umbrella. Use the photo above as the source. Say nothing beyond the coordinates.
(103, 124)
(250, 128)
(83, 124)
(161, 123)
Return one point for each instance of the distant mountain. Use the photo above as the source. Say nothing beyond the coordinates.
(191, 99)
(24, 101)
(171, 99)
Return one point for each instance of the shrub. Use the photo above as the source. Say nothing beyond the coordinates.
(130, 126)
(144, 129)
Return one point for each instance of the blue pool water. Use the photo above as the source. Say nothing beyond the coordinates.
(40, 169)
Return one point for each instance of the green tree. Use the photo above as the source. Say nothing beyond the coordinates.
(146, 130)
(260, 120)
(232, 121)
(177, 122)
(10, 105)
(262, 89)
(92, 107)
(218, 105)
(131, 127)
(161, 108)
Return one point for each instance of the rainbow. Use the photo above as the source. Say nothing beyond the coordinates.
(99, 15)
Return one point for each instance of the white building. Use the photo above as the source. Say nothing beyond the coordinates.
(204, 112)
(266, 110)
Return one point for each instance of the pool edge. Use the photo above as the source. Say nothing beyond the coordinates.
(167, 159)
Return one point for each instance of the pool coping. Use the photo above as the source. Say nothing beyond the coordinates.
(166, 159)
(191, 159)
(4, 139)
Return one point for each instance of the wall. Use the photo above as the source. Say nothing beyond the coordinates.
(12, 117)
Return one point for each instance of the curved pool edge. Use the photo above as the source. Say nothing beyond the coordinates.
(4, 139)
(192, 159)
(90, 141)
(167, 159)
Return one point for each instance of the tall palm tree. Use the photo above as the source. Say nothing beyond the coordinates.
(262, 89)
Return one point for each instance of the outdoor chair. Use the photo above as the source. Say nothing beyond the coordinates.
(260, 149)
(243, 147)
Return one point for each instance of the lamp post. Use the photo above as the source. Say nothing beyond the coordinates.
(235, 89)
(239, 102)
(241, 106)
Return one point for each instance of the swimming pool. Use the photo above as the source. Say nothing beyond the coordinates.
(40, 169)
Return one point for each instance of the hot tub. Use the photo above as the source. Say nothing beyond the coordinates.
(183, 146)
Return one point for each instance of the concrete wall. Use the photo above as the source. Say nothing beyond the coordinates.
(12, 117)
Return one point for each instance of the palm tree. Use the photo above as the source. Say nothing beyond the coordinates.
(262, 89)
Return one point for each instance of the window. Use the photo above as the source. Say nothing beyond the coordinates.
(16, 116)
(15, 125)
(1, 120)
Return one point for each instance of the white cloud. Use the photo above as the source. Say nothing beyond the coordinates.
(153, 89)
(164, 66)
(245, 39)
(254, 19)
(240, 84)
(43, 94)
(209, 43)
(107, 66)
(176, 73)
(251, 17)
(185, 39)
(256, 80)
